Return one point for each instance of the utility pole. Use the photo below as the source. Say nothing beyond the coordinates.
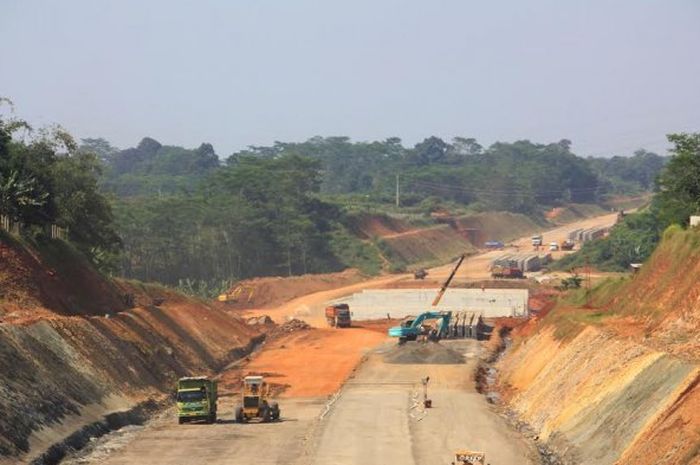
(398, 203)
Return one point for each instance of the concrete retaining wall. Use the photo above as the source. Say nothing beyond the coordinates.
(398, 303)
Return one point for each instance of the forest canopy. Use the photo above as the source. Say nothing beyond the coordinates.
(166, 213)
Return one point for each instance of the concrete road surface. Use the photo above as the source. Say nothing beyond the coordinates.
(378, 420)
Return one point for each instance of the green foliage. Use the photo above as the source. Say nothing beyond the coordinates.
(572, 282)
(153, 169)
(259, 216)
(679, 184)
(630, 241)
(45, 179)
(514, 177)
(635, 238)
(627, 175)
(354, 252)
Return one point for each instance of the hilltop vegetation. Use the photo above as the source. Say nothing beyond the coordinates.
(635, 238)
(183, 217)
(46, 179)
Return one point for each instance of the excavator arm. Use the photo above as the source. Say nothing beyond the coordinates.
(447, 282)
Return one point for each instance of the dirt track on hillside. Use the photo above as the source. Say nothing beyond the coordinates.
(312, 364)
(310, 307)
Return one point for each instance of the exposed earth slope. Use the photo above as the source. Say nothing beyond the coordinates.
(62, 373)
(619, 382)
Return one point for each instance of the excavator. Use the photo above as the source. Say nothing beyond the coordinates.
(411, 327)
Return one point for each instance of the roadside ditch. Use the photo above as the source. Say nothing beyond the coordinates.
(486, 380)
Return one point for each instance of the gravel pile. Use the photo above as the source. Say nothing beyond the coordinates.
(423, 353)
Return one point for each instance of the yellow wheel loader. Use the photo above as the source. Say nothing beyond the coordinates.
(254, 402)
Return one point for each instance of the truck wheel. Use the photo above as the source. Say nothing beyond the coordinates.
(275, 411)
(266, 415)
(239, 414)
(180, 420)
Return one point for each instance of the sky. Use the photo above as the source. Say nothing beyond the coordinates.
(611, 76)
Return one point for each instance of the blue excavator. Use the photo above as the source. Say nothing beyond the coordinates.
(411, 327)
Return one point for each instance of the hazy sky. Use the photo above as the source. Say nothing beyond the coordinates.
(609, 75)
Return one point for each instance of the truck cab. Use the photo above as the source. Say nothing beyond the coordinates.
(339, 316)
(196, 399)
(537, 240)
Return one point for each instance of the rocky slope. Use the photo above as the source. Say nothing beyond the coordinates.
(618, 382)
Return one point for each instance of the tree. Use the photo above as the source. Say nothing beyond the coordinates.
(466, 146)
(431, 150)
(679, 183)
(100, 147)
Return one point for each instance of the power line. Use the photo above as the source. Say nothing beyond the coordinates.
(514, 191)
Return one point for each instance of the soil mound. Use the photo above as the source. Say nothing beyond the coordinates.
(272, 291)
(425, 247)
(367, 226)
(423, 353)
(52, 276)
(290, 326)
(502, 226)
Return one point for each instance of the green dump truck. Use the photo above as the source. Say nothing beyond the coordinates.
(196, 399)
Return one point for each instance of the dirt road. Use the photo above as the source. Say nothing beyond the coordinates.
(373, 421)
(310, 307)
(163, 442)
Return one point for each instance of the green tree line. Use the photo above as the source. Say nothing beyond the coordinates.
(45, 179)
(677, 197)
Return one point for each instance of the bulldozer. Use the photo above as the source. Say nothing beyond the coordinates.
(254, 402)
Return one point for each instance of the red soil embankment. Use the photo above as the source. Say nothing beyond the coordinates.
(426, 247)
(489, 226)
(368, 226)
(268, 292)
(56, 278)
(63, 372)
(618, 382)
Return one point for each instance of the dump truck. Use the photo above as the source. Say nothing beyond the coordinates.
(255, 403)
(508, 271)
(420, 274)
(537, 240)
(196, 399)
(469, 457)
(339, 316)
(567, 245)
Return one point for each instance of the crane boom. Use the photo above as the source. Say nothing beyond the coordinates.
(447, 282)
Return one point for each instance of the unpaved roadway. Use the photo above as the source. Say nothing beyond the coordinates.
(371, 422)
(376, 419)
(310, 307)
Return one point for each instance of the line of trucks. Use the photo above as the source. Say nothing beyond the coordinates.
(197, 400)
(513, 266)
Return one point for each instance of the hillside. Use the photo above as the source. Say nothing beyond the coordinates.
(620, 377)
(80, 359)
(404, 245)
